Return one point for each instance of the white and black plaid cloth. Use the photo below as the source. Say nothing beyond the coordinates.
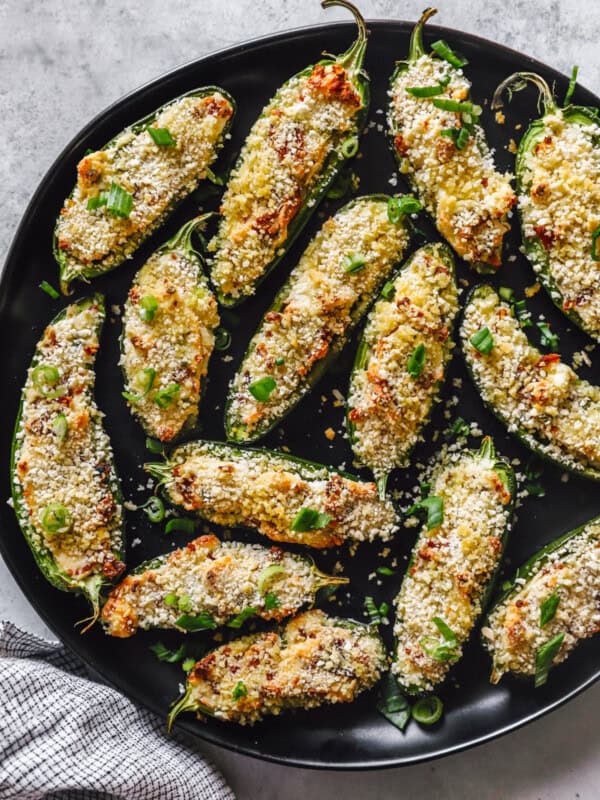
(64, 736)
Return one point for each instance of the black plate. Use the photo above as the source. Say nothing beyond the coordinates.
(344, 737)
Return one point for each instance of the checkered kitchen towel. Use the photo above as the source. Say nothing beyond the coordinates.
(63, 735)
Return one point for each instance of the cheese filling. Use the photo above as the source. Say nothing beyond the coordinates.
(262, 491)
(560, 205)
(514, 633)
(64, 471)
(316, 309)
(281, 162)
(451, 566)
(388, 406)
(313, 661)
(156, 176)
(536, 395)
(467, 197)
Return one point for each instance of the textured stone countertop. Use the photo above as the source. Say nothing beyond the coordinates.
(62, 62)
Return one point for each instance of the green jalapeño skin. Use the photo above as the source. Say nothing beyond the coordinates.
(128, 188)
(558, 184)
(293, 154)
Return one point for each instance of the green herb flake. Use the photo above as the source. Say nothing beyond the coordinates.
(119, 202)
(97, 201)
(148, 307)
(184, 603)
(416, 361)
(165, 397)
(443, 50)
(385, 571)
(161, 136)
(49, 289)
(353, 262)
(239, 620)
(145, 380)
(548, 608)
(548, 339)
(262, 388)
(398, 207)
(392, 704)
(164, 654)
(544, 658)
(434, 506)
(388, 291)
(309, 519)
(483, 341)
(279, 361)
(271, 601)
(506, 293)
(56, 519)
(222, 339)
(188, 664)
(200, 622)
(170, 599)
(241, 690)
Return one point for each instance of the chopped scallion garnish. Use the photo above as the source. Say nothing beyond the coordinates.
(164, 654)
(595, 248)
(458, 428)
(483, 341)
(279, 361)
(60, 426)
(187, 665)
(425, 91)
(165, 397)
(572, 85)
(268, 575)
(444, 51)
(386, 571)
(148, 307)
(388, 291)
(154, 509)
(308, 519)
(180, 524)
(434, 506)
(222, 339)
(398, 207)
(353, 262)
(238, 621)
(161, 136)
(416, 361)
(506, 293)
(49, 289)
(544, 658)
(548, 608)
(350, 147)
(460, 106)
(240, 690)
(119, 202)
(428, 710)
(262, 388)
(56, 519)
(201, 622)
(549, 339)
(145, 380)
(271, 601)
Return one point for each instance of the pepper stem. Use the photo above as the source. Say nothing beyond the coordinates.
(518, 81)
(417, 49)
(352, 59)
(91, 589)
(487, 449)
(185, 703)
(322, 579)
(182, 240)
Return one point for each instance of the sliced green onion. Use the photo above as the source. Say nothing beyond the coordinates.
(388, 291)
(241, 690)
(148, 307)
(522, 313)
(445, 630)
(161, 136)
(180, 524)
(376, 615)
(201, 622)
(154, 445)
(56, 519)
(97, 201)
(425, 91)
(462, 138)
(45, 378)
(271, 601)
(458, 428)
(165, 397)
(222, 339)
(572, 85)
(444, 51)
(434, 506)
(416, 361)
(170, 599)
(238, 621)
(308, 519)
(397, 207)
(188, 664)
(428, 710)
(350, 147)
(386, 571)
(145, 379)
(353, 262)
(184, 603)
(506, 293)
(549, 339)
(164, 654)
(60, 426)
(461, 106)
(548, 608)
(154, 509)
(544, 658)
(279, 361)
(49, 289)
(595, 249)
(268, 575)
(119, 202)
(483, 341)
(392, 703)
(262, 388)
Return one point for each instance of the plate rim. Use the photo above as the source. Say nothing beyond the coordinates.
(191, 730)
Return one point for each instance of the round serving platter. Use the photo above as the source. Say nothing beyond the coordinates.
(342, 737)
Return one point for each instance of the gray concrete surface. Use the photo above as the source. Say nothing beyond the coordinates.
(63, 61)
